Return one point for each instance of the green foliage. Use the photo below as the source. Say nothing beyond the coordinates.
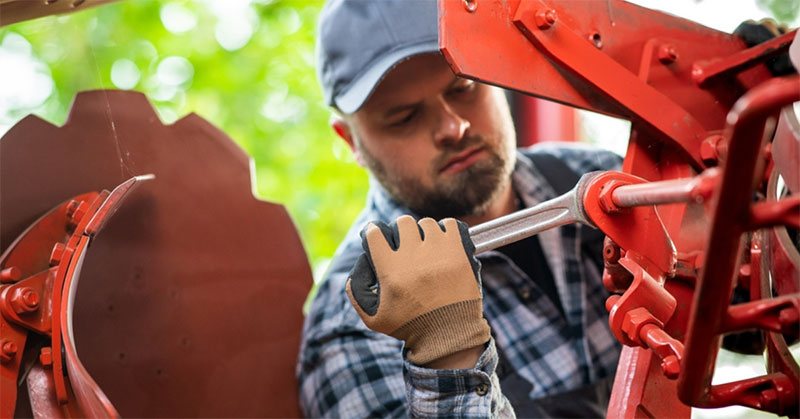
(785, 11)
(264, 95)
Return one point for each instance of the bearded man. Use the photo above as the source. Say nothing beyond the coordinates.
(533, 338)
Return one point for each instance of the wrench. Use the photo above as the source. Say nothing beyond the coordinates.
(565, 209)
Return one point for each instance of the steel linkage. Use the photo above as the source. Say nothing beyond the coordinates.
(36, 296)
(692, 185)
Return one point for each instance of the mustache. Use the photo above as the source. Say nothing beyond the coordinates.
(450, 150)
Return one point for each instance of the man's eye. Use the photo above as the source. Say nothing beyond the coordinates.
(405, 119)
(465, 87)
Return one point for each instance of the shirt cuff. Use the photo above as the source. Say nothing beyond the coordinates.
(473, 392)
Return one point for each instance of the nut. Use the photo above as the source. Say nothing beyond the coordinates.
(46, 357)
(8, 350)
(76, 210)
(710, 150)
(671, 367)
(545, 18)
(57, 253)
(9, 275)
(606, 203)
(635, 320)
(24, 300)
(667, 54)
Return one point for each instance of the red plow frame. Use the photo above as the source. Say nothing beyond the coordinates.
(699, 220)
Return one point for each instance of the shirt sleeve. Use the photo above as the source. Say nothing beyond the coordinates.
(464, 393)
(346, 370)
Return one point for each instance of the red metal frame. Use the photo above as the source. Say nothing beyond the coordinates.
(697, 98)
(40, 299)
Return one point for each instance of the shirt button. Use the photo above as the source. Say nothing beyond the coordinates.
(525, 293)
(482, 389)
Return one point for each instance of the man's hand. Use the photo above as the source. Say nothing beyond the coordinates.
(420, 283)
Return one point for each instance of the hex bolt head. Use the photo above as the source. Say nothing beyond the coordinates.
(57, 253)
(671, 367)
(76, 210)
(24, 300)
(8, 350)
(606, 202)
(71, 207)
(667, 54)
(10, 275)
(46, 357)
(545, 18)
(710, 150)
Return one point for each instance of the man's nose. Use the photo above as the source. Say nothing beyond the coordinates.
(451, 126)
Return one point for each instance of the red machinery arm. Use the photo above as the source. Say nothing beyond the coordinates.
(678, 83)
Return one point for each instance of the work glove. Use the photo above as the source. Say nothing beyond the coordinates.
(420, 283)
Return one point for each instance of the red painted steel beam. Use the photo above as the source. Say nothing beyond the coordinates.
(731, 212)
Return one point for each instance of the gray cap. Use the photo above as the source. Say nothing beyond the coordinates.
(359, 41)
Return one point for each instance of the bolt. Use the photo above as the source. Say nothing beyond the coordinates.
(768, 399)
(471, 5)
(667, 54)
(71, 207)
(611, 300)
(545, 18)
(611, 252)
(606, 202)
(46, 357)
(8, 350)
(671, 367)
(8, 275)
(75, 212)
(24, 300)
(57, 253)
(709, 150)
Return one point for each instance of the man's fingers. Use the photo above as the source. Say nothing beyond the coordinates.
(430, 228)
(408, 231)
(449, 224)
(378, 239)
(363, 286)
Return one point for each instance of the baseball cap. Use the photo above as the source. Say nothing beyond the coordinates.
(359, 41)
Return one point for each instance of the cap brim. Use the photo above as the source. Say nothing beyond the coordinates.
(360, 90)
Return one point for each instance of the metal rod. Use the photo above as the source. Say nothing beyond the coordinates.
(696, 189)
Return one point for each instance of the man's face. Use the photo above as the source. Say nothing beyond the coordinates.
(442, 145)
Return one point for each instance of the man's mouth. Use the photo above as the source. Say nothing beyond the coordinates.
(463, 160)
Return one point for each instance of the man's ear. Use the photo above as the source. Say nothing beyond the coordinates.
(342, 129)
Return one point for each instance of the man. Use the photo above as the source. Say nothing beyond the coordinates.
(437, 145)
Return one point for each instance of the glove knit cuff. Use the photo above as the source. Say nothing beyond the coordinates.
(444, 331)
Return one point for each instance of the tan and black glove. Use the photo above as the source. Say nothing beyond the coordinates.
(420, 283)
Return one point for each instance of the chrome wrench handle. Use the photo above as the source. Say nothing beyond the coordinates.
(565, 209)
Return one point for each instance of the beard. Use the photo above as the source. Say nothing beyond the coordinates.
(468, 192)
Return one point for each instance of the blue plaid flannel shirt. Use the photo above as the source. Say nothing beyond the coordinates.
(347, 370)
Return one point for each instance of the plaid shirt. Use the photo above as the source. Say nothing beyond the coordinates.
(347, 370)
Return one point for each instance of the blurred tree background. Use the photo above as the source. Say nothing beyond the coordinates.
(246, 66)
